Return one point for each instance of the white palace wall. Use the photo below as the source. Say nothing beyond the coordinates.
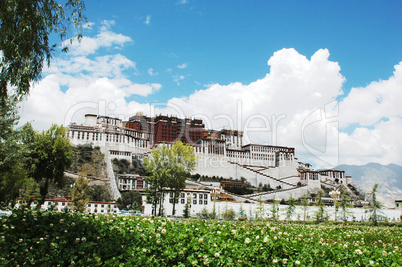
(218, 165)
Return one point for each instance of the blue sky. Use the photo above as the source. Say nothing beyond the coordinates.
(324, 77)
(229, 41)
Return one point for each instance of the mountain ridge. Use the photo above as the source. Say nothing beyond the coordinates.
(388, 177)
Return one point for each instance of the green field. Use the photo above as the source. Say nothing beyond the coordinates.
(52, 239)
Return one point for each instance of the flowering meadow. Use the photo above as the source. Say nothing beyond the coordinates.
(63, 239)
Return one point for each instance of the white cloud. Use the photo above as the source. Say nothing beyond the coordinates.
(182, 66)
(143, 89)
(380, 144)
(108, 66)
(293, 105)
(76, 84)
(47, 103)
(148, 20)
(177, 78)
(105, 38)
(151, 72)
(367, 106)
(88, 25)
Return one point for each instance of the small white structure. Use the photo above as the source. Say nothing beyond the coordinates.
(196, 199)
(127, 182)
(103, 207)
(61, 204)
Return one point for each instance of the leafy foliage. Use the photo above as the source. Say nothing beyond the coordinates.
(169, 167)
(375, 205)
(99, 193)
(320, 214)
(50, 155)
(123, 166)
(291, 208)
(130, 200)
(13, 152)
(275, 209)
(79, 194)
(88, 159)
(90, 240)
(26, 26)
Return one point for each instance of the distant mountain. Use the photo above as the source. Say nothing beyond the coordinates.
(388, 177)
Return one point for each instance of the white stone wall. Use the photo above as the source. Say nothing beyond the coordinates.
(195, 208)
(215, 165)
(283, 194)
(252, 210)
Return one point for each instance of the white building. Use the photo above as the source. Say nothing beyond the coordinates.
(127, 182)
(197, 200)
(220, 153)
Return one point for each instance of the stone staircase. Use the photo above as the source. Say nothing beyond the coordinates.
(263, 174)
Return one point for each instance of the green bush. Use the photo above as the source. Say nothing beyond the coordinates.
(51, 239)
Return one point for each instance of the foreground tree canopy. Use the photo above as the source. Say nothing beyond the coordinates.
(50, 155)
(169, 167)
(26, 27)
(27, 157)
(12, 153)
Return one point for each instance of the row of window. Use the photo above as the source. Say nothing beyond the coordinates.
(200, 196)
(103, 211)
(195, 201)
(102, 206)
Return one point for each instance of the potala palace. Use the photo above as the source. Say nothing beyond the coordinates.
(220, 153)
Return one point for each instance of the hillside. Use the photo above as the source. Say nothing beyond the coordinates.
(388, 177)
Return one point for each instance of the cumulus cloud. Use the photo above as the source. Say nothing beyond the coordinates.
(369, 105)
(293, 105)
(80, 83)
(47, 103)
(105, 38)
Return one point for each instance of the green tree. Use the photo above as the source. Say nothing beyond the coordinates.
(335, 194)
(229, 214)
(157, 168)
(260, 210)
(275, 209)
(304, 203)
(186, 211)
(26, 26)
(291, 208)
(168, 167)
(320, 213)
(50, 156)
(242, 212)
(183, 162)
(344, 204)
(13, 152)
(99, 193)
(79, 194)
(130, 200)
(29, 192)
(374, 206)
